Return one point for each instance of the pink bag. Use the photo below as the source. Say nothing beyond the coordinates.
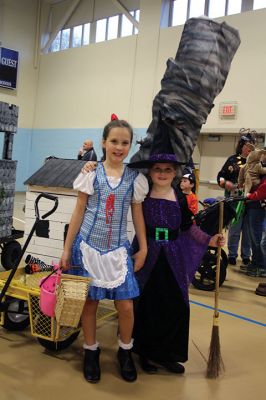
(48, 292)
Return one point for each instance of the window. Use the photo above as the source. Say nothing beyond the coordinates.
(55, 46)
(101, 30)
(136, 16)
(216, 8)
(197, 8)
(86, 34)
(65, 39)
(234, 7)
(181, 10)
(105, 29)
(112, 27)
(257, 4)
(77, 36)
(126, 27)
(179, 13)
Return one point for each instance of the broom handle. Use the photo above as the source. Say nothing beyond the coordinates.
(219, 250)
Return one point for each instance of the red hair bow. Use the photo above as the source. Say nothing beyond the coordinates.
(114, 117)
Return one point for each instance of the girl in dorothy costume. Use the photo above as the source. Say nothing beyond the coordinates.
(97, 243)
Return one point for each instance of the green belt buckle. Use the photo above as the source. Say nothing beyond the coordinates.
(161, 230)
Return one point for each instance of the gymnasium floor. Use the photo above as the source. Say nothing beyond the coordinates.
(29, 372)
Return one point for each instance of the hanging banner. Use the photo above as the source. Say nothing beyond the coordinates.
(8, 68)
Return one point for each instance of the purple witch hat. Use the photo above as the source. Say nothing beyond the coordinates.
(161, 151)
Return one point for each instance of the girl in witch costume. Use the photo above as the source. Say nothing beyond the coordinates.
(175, 249)
(97, 244)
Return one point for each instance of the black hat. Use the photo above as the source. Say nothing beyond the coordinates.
(161, 151)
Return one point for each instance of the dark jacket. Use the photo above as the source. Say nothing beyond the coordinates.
(90, 155)
(231, 168)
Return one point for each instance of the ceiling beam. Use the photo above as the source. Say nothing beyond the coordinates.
(125, 11)
(61, 24)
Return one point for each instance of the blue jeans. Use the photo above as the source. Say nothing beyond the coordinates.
(256, 226)
(234, 237)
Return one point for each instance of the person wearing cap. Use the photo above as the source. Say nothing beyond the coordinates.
(227, 179)
(187, 185)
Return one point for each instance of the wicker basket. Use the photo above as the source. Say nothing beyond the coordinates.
(71, 296)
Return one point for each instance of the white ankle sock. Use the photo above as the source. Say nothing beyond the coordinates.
(125, 346)
(91, 347)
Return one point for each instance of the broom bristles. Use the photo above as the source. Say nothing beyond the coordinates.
(215, 363)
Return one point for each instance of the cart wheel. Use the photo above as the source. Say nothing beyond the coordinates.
(205, 276)
(16, 317)
(59, 345)
(10, 253)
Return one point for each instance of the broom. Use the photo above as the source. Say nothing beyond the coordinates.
(215, 363)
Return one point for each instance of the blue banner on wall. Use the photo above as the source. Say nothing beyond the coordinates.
(8, 68)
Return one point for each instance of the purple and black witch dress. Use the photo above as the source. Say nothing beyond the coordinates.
(101, 249)
(175, 249)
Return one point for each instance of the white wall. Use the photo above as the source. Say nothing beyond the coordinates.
(17, 32)
(124, 75)
(81, 87)
(246, 83)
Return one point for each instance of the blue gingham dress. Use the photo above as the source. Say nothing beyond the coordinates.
(101, 248)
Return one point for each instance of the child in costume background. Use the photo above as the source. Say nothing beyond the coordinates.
(187, 185)
(175, 249)
(97, 243)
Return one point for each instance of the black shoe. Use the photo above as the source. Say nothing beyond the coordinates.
(91, 370)
(127, 367)
(232, 260)
(246, 268)
(147, 366)
(246, 261)
(257, 273)
(261, 291)
(171, 366)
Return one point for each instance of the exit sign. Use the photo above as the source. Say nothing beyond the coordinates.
(228, 110)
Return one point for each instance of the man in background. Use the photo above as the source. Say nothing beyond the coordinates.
(87, 153)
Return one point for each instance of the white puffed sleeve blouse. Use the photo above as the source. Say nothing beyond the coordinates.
(84, 183)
